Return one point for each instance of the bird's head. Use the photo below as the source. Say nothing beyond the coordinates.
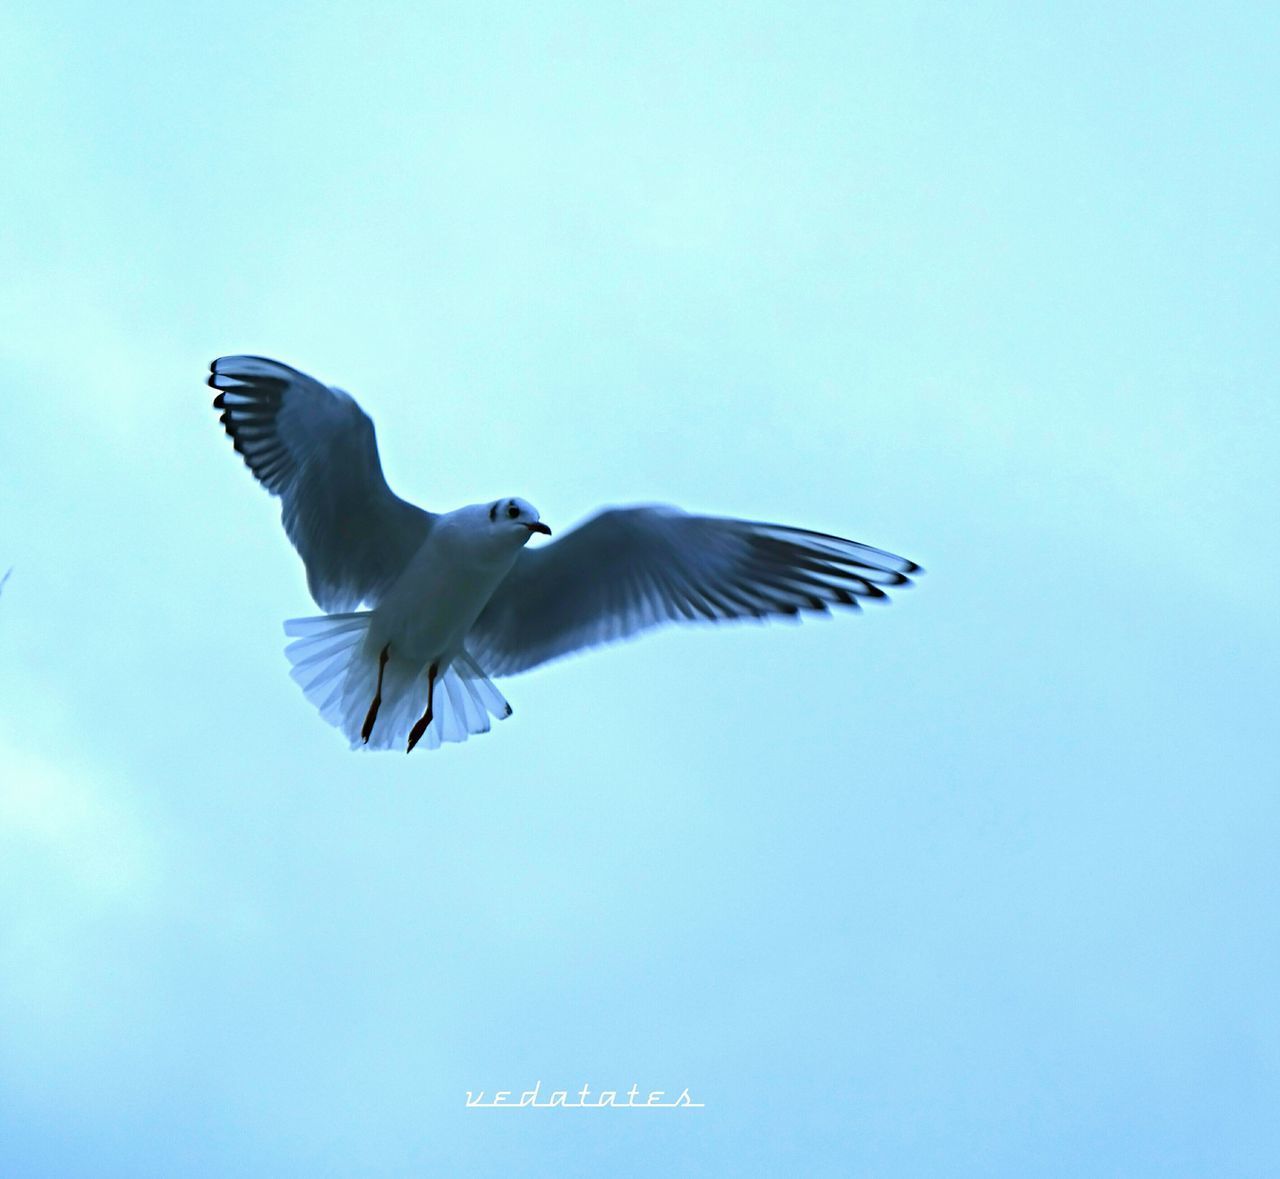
(516, 518)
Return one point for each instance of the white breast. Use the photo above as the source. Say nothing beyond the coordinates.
(427, 613)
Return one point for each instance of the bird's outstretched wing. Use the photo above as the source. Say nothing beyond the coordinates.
(315, 448)
(629, 569)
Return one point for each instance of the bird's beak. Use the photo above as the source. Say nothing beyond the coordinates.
(539, 527)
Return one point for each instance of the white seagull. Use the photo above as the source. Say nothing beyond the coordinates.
(455, 598)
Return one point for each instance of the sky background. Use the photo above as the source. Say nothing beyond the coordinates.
(981, 883)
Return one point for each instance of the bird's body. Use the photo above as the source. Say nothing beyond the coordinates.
(430, 608)
(415, 635)
(452, 597)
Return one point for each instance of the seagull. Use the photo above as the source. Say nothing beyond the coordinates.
(422, 608)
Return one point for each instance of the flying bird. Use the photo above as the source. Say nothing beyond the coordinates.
(452, 599)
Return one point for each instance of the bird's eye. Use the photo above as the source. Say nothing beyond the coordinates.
(513, 512)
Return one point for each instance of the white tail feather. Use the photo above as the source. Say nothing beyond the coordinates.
(338, 671)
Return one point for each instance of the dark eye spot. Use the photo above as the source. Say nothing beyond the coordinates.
(513, 512)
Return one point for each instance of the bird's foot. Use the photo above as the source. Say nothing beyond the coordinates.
(419, 727)
(372, 716)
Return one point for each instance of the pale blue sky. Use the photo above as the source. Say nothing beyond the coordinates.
(983, 883)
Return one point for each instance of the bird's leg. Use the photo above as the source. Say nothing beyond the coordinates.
(377, 695)
(420, 727)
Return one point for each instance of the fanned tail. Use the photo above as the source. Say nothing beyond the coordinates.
(336, 667)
